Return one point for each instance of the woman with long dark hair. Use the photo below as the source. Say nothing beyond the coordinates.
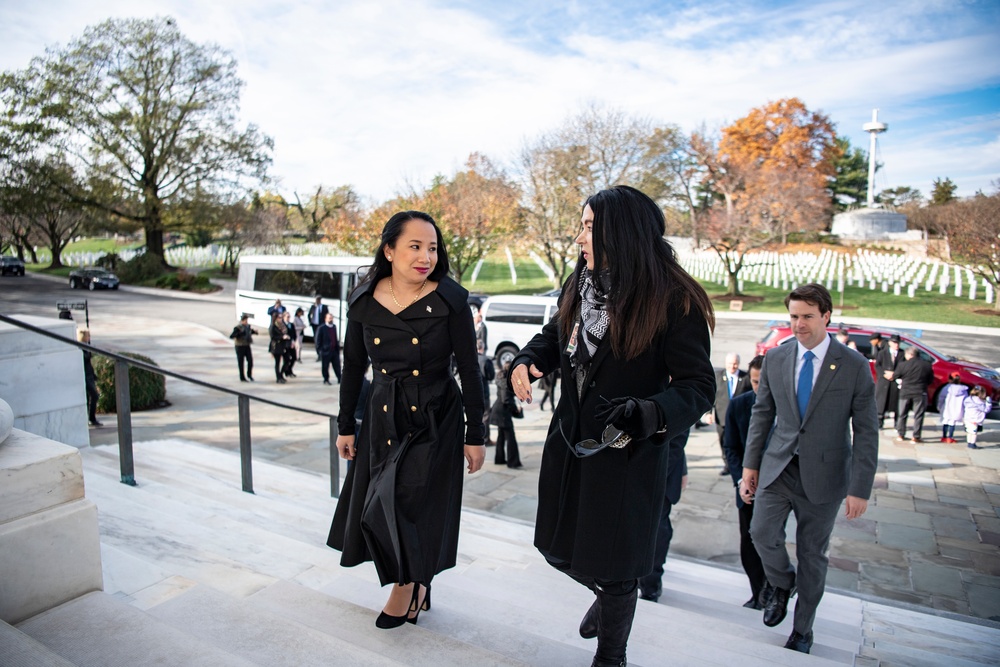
(280, 340)
(632, 342)
(402, 498)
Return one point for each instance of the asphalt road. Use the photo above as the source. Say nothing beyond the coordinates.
(36, 295)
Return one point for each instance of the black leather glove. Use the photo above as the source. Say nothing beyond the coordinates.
(637, 417)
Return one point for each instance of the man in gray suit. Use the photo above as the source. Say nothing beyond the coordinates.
(816, 392)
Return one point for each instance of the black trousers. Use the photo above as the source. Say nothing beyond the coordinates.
(505, 436)
(748, 552)
(919, 405)
(278, 358)
(244, 355)
(92, 396)
(664, 533)
(328, 359)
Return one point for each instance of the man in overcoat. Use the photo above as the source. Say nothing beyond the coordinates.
(887, 363)
(819, 396)
(730, 382)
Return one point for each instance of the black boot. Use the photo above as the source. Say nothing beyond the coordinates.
(615, 614)
(588, 626)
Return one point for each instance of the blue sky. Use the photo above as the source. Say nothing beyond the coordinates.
(385, 94)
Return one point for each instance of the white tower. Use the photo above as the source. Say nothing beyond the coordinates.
(873, 128)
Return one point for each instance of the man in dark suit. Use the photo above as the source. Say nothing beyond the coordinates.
(819, 397)
(317, 316)
(914, 376)
(651, 586)
(887, 362)
(729, 383)
(734, 445)
(329, 348)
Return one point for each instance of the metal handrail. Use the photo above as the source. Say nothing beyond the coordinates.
(124, 410)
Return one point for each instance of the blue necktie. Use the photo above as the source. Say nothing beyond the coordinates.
(732, 385)
(805, 382)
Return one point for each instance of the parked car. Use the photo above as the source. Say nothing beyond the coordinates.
(972, 374)
(93, 279)
(11, 266)
(513, 320)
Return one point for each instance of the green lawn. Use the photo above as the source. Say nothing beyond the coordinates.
(858, 302)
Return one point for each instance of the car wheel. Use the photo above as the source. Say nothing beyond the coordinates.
(92, 286)
(72, 283)
(505, 354)
(115, 287)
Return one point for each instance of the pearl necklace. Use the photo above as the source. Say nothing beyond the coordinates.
(398, 304)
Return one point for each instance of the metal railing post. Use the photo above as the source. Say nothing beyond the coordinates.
(246, 464)
(334, 460)
(123, 405)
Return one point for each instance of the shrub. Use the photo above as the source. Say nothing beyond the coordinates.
(146, 389)
(110, 261)
(182, 280)
(140, 268)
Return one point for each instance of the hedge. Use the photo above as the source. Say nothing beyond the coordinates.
(147, 390)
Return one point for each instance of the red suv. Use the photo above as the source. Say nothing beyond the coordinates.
(943, 365)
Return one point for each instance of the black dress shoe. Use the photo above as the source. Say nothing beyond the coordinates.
(800, 643)
(250, 378)
(96, 423)
(777, 607)
(752, 603)
(723, 472)
(652, 592)
(326, 382)
(765, 595)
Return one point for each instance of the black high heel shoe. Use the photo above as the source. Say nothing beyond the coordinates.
(387, 622)
(416, 606)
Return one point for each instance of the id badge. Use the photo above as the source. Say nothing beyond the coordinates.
(571, 346)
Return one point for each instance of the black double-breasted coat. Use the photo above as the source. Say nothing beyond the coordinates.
(402, 498)
(600, 513)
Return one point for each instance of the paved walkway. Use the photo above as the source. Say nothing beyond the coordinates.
(931, 536)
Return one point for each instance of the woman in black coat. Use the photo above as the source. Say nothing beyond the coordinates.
(632, 342)
(280, 340)
(402, 498)
(504, 411)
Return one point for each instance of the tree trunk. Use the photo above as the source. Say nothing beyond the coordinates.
(734, 283)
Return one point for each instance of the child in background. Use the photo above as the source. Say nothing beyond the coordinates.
(977, 405)
(950, 406)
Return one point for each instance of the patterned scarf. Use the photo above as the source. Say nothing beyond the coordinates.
(593, 316)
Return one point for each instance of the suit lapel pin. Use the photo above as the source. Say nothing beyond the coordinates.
(429, 309)
(833, 367)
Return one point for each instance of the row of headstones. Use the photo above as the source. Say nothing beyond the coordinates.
(866, 269)
(210, 255)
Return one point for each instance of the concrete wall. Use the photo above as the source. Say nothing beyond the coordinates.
(50, 549)
(42, 380)
(868, 223)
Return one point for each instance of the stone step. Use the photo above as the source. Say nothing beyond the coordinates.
(18, 649)
(188, 538)
(263, 637)
(899, 636)
(96, 630)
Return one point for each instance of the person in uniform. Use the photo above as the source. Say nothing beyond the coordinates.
(402, 498)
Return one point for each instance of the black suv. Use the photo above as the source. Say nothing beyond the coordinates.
(11, 266)
(93, 279)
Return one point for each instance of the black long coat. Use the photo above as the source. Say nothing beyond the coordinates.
(402, 499)
(600, 513)
(887, 391)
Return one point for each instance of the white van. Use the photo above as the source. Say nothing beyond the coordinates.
(512, 320)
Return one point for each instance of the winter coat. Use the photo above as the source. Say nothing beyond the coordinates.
(600, 514)
(950, 403)
(976, 409)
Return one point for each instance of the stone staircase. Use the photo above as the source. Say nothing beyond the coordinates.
(196, 572)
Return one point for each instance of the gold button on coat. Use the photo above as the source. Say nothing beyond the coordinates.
(385, 408)
(415, 341)
(413, 408)
(383, 370)
(416, 372)
(377, 341)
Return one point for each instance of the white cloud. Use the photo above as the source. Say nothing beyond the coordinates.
(380, 93)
